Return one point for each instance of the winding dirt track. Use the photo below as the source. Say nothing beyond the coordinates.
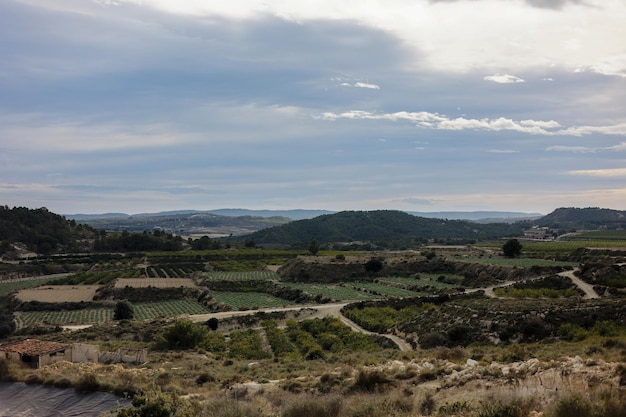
(319, 311)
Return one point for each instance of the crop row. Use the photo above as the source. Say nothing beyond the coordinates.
(143, 311)
(242, 276)
(249, 300)
(88, 316)
(333, 292)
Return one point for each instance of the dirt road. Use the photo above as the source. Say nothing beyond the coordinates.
(313, 311)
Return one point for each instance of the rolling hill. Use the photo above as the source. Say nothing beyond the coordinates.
(380, 225)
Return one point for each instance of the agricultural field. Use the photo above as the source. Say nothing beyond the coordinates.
(168, 271)
(59, 293)
(249, 300)
(425, 280)
(96, 277)
(333, 292)
(242, 276)
(9, 286)
(154, 282)
(87, 316)
(518, 262)
(386, 291)
(602, 235)
(143, 311)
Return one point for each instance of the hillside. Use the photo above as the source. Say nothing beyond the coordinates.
(39, 230)
(590, 218)
(381, 225)
(190, 223)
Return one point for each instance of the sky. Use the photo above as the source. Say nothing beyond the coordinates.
(418, 105)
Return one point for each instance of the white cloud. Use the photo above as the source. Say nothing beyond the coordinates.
(504, 79)
(438, 121)
(603, 173)
(367, 85)
(361, 85)
(504, 151)
(574, 149)
(620, 147)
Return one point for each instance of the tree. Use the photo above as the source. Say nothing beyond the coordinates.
(314, 247)
(212, 323)
(512, 248)
(185, 334)
(123, 311)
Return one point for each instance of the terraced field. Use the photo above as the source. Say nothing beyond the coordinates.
(382, 290)
(249, 300)
(143, 311)
(242, 276)
(334, 292)
(154, 282)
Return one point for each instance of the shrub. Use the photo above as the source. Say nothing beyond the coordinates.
(123, 311)
(573, 406)
(184, 334)
(330, 407)
(160, 404)
(428, 405)
(500, 410)
(88, 382)
(372, 381)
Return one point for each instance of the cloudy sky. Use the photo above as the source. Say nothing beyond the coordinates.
(418, 105)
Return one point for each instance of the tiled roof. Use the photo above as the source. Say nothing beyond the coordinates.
(34, 347)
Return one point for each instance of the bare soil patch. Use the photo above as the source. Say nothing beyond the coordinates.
(154, 282)
(59, 293)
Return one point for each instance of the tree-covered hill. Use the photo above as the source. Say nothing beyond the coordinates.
(584, 218)
(377, 226)
(39, 230)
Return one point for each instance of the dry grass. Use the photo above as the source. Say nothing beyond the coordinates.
(59, 293)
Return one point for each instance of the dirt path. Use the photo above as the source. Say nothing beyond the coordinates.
(590, 293)
(313, 311)
(587, 289)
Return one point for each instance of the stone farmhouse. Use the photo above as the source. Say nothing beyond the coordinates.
(38, 353)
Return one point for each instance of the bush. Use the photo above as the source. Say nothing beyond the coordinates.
(573, 406)
(160, 404)
(88, 382)
(123, 311)
(371, 381)
(315, 408)
(183, 335)
(500, 410)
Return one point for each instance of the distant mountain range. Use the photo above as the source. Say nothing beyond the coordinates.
(44, 232)
(300, 214)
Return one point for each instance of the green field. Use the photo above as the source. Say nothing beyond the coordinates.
(242, 276)
(249, 300)
(87, 316)
(425, 280)
(522, 262)
(385, 291)
(143, 311)
(334, 292)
